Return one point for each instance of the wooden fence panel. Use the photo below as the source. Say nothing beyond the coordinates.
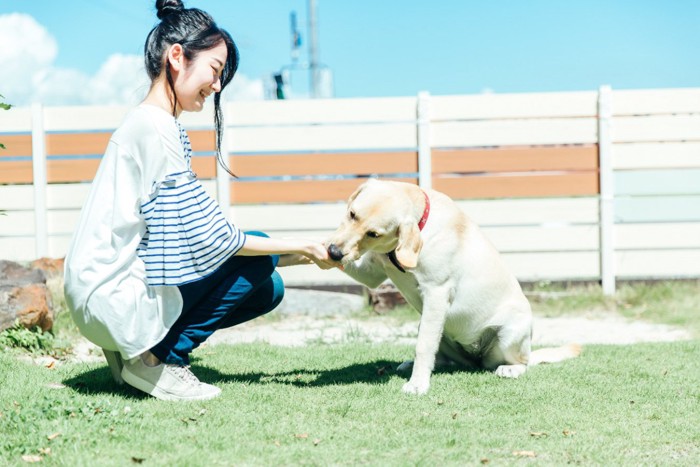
(16, 198)
(276, 218)
(18, 248)
(512, 106)
(516, 159)
(661, 236)
(325, 111)
(496, 186)
(667, 155)
(656, 101)
(657, 182)
(534, 267)
(514, 132)
(540, 239)
(542, 211)
(524, 166)
(79, 119)
(16, 120)
(16, 145)
(17, 224)
(526, 266)
(653, 264)
(657, 209)
(68, 196)
(332, 164)
(323, 137)
(297, 191)
(657, 128)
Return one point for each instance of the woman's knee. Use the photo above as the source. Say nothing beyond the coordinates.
(277, 289)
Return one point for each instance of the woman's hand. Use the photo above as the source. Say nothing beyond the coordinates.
(318, 253)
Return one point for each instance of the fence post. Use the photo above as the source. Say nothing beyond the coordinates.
(425, 165)
(39, 180)
(223, 179)
(607, 192)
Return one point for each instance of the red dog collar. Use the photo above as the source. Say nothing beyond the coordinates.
(421, 224)
(426, 212)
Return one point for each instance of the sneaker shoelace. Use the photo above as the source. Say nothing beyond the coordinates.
(184, 373)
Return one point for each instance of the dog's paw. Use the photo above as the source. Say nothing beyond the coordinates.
(417, 389)
(405, 366)
(510, 371)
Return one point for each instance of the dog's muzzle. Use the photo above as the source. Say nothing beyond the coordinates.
(335, 253)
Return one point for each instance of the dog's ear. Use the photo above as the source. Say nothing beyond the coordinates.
(410, 244)
(357, 192)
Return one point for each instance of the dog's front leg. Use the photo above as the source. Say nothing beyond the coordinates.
(432, 323)
(367, 270)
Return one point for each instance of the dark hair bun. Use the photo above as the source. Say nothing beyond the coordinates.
(168, 7)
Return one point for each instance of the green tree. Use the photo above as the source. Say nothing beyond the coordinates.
(3, 106)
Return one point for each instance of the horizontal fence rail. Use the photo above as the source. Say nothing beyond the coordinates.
(596, 185)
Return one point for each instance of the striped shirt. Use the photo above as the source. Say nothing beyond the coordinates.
(187, 236)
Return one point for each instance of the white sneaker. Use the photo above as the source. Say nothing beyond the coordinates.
(167, 382)
(114, 359)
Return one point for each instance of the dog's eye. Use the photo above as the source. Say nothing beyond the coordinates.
(352, 215)
(372, 234)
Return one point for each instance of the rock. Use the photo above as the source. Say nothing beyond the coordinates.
(24, 297)
(12, 273)
(385, 298)
(52, 267)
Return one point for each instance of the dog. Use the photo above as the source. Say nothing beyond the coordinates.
(473, 310)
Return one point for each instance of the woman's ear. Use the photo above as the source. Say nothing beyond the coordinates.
(176, 57)
(410, 244)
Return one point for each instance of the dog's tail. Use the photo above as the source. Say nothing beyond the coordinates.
(554, 354)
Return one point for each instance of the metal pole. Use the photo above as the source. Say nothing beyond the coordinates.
(313, 52)
(607, 192)
(39, 181)
(425, 164)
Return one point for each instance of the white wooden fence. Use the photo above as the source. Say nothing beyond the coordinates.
(631, 211)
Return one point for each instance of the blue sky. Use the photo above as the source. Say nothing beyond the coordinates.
(374, 48)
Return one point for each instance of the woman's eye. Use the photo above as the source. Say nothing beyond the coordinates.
(372, 234)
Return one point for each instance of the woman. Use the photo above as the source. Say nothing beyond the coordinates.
(154, 267)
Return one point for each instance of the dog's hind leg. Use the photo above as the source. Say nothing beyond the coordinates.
(452, 352)
(449, 353)
(508, 357)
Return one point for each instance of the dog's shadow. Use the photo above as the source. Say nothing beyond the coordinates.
(99, 380)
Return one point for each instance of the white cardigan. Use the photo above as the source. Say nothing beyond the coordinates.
(106, 286)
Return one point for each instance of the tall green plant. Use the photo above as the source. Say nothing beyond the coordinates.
(3, 106)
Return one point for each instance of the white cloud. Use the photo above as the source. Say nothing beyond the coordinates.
(27, 50)
(242, 88)
(28, 74)
(121, 79)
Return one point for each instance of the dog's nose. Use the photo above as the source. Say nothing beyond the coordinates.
(335, 252)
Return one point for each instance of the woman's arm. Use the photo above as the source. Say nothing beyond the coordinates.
(310, 249)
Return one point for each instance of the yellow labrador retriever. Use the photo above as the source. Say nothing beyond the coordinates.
(473, 311)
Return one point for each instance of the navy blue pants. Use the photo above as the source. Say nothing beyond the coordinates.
(243, 288)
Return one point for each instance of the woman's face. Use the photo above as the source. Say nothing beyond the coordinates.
(200, 78)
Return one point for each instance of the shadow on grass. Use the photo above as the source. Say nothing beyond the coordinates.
(99, 380)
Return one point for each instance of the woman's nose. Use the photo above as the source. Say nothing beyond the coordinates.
(217, 85)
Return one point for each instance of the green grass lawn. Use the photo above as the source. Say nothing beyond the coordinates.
(343, 405)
